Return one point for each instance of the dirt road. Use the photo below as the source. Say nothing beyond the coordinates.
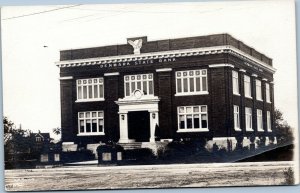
(151, 176)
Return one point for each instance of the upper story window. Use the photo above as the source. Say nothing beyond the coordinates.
(38, 139)
(258, 90)
(235, 83)
(236, 110)
(191, 82)
(268, 96)
(143, 82)
(91, 123)
(259, 120)
(91, 89)
(248, 115)
(192, 118)
(247, 86)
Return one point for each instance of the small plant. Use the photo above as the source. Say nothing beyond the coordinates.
(289, 176)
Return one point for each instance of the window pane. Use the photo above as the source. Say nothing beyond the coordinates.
(150, 87)
(95, 91)
(196, 109)
(81, 115)
(179, 85)
(197, 84)
(127, 92)
(196, 122)
(189, 122)
(189, 110)
(100, 114)
(138, 86)
(145, 88)
(94, 114)
(204, 84)
(182, 122)
(204, 121)
(81, 126)
(181, 109)
(84, 92)
(185, 85)
(90, 92)
(191, 84)
(94, 125)
(132, 86)
(203, 109)
(79, 92)
(101, 123)
(87, 114)
(101, 91)
(88, 125)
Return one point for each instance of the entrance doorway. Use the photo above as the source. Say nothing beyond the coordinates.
(139, 126)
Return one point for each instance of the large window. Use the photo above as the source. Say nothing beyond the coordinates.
(191, 82)
(268, 97)
(258, 90)
(143, 82)
(91, 123)
(192, 118)
(235, 82)
(247, 86)
(236, 118)
(259, 120)
(248, 115)
(91, 89)
(269, 127)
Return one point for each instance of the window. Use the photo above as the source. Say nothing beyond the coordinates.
(91, 123)
(90, 89)
(248, 114)
(259, 120)
(143, 82)
(38, 139)
(56, 157)
(192, 118)
(235, 82)
(247, 86)
(268, 97)
(236, 118)
(269, 121)
(191, 82)
(258, 90)
(44, 157)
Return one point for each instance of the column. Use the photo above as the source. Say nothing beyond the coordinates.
(123, 128)
(153, 123)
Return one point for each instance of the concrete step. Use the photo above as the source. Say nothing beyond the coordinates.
(132, 145)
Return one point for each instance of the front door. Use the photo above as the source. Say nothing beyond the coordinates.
(139, 126)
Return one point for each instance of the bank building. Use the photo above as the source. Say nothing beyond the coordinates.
(213, 88)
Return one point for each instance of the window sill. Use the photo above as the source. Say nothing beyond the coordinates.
(192, 130)
(237, 94)
(237, 129)
(248, 97)
(90, 134)
(261, 130)
(260, 100)
(269, 130)
(268, 102)
(249, 130)
(88, 100)
(190, 94)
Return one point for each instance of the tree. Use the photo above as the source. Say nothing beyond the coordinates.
(283, 129)
(57, 131)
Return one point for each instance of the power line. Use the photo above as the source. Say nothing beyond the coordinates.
(36, 13)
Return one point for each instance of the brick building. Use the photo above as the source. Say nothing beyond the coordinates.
(212, 87)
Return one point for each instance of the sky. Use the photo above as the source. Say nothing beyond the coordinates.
(32, 37)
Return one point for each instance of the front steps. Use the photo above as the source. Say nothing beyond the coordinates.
(132, 145)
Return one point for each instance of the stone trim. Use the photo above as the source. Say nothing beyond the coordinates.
(66, 78)
(164, 70)
(112, 74)
(220, 65)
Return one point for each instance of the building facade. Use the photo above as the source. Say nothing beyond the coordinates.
(213, 88)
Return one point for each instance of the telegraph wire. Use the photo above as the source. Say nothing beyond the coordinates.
(36, 13)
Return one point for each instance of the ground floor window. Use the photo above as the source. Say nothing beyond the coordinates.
(192, 118)
(91, 123)
(259, 121)
(236, 118)
(56, 157)
(44, 158)
(269, 121)
(248, 115)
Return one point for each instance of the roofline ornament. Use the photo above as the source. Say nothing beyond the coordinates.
(137, 45)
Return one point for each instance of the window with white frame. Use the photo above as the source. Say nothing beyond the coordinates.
(269, 121)
(268, 97)
(91, 123)
(258, 90)
(57, 157)
(191, 82)
(260, 126)
(247, 86)
(235, 82)
(90, 89)
(248, 115)
(38, 139)
(44, 158)
(192, 118)
(236, 111)
(143, 82)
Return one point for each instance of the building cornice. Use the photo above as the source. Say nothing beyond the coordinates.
(220, 65)
(167, 54)
(66, 78)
